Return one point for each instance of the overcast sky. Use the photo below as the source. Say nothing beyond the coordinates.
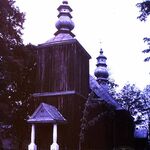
(114, 23)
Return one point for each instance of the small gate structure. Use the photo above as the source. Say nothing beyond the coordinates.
(45, 114)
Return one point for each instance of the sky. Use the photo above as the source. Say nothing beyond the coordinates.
(110, 25)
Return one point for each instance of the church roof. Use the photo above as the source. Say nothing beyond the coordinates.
(59, 37)
(103, 94)
(46, 114)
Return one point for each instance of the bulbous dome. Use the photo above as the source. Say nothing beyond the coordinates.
(64, 22)
(101, 72)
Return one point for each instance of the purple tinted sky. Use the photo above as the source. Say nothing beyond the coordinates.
(113, 23)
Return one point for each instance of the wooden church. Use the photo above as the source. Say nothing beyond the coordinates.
(63, 82)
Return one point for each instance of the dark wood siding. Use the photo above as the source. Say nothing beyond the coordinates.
(63, 67)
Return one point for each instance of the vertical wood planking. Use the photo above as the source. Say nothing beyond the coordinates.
(63, 67)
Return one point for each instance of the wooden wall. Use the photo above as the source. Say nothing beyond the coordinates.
(63, 81)
(63, 67)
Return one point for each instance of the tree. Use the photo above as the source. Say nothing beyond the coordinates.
(144, 13)
(146, 110)
(112, 87)
(11, 24)
(144, 10)
(16, 72)
(137, 102)
(146, 97)
(130, 98)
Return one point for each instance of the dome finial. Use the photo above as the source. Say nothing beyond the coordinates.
(65, 2)
(101, 51)
(64, 24)
(101, 71)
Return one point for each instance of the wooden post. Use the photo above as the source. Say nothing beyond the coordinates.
(32, 145)
(54, 145)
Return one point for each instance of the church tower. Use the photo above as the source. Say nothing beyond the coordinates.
(63, 77)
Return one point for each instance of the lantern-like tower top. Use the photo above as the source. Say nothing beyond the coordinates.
(64, 24)
(101, 71)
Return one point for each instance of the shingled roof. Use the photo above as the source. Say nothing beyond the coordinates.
(103, 94)
(46, 114)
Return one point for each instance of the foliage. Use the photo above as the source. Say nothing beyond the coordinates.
(112, 87)
(11, 24)
(17, 85)
(17, 68)
(146, 98)
(144, 10)
(144, 13)
(133, 99)
(129, 97)
(147, 40)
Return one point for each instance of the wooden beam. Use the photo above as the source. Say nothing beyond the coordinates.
(46, 94)
(60, 93)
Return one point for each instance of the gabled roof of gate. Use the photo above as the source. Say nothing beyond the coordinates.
(46, 114)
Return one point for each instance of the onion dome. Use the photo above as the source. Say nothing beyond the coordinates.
(101, 71)
(64, 24)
